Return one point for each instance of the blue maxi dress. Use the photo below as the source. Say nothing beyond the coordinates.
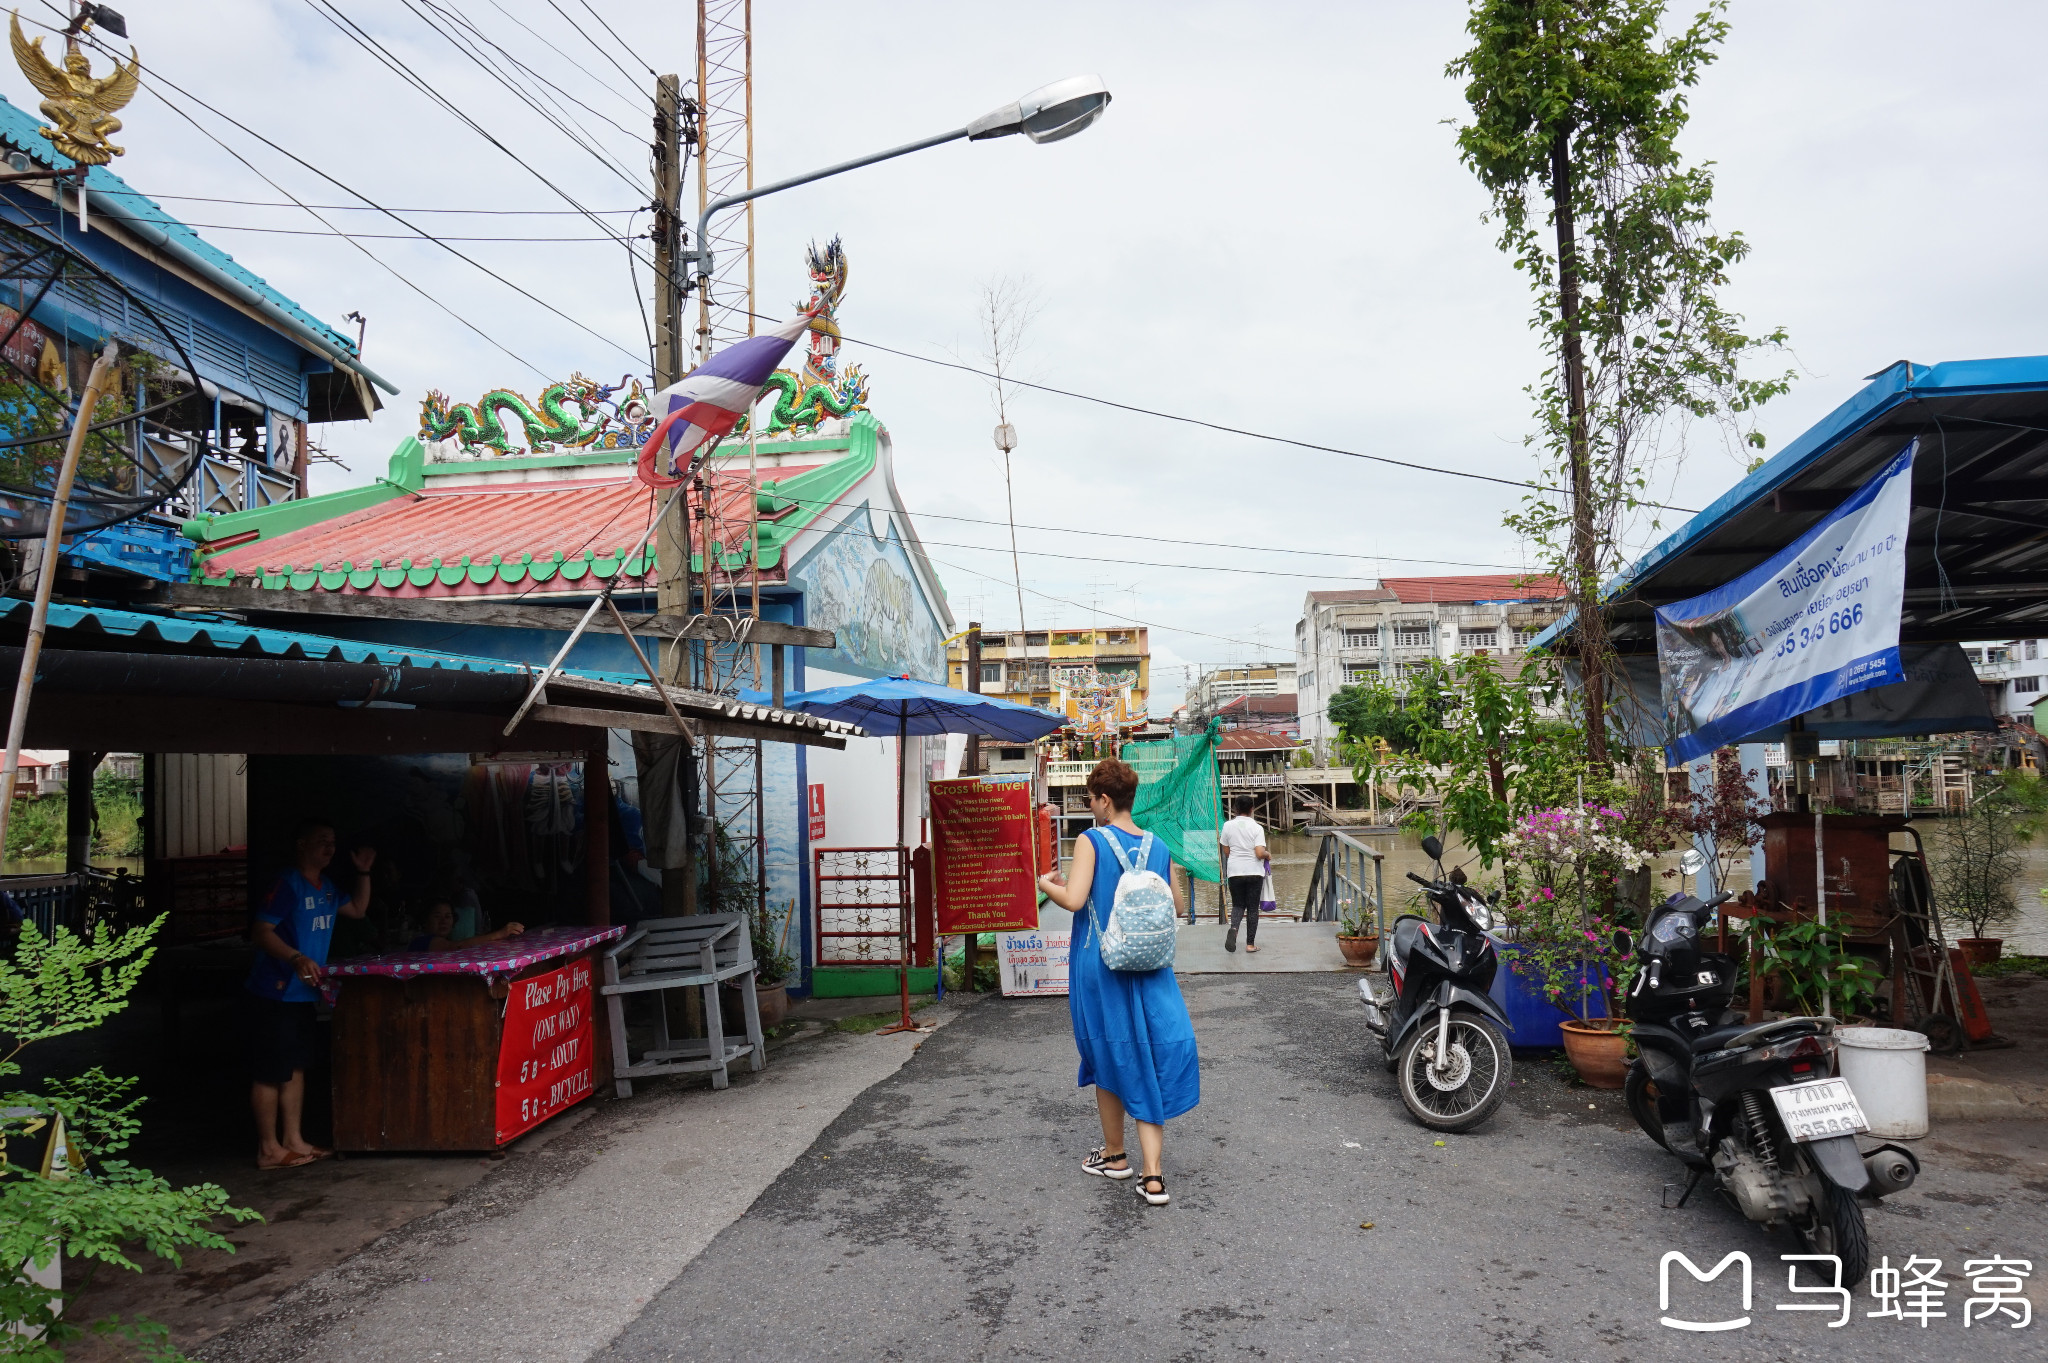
(1132, 1029)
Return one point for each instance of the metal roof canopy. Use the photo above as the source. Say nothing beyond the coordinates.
(121, 680)
(1977, 549)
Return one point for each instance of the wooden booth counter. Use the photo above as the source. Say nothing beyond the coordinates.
(464, 1050)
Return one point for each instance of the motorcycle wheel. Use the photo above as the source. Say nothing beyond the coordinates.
(1837, 1228)
(1641, 1092)
(1476, 1084)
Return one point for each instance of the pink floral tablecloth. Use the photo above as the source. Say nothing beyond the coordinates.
(491, 959)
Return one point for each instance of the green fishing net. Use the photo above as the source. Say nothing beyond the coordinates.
(1180, 800)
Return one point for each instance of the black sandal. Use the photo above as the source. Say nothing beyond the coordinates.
(1158, 1199)
(1098, 1164)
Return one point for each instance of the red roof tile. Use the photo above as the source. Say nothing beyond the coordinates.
(1247, 738)
(1260, 705)
(389, 548)
(1475, 587)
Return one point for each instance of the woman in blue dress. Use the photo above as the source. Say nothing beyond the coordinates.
(1137, 1045)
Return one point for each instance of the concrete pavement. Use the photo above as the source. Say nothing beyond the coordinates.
(944, 1215)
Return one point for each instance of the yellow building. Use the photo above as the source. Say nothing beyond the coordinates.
(1102, 678)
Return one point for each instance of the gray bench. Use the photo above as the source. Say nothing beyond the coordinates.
(701, 951)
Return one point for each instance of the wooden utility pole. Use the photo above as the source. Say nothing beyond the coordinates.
(671, 358)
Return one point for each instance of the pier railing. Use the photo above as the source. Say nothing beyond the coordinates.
(1348, 875)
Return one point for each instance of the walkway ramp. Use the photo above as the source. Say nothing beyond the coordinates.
(1285, 947)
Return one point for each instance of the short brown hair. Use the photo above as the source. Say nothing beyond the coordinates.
(1116, 780)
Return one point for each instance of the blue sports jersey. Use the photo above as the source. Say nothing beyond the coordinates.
(303, 914)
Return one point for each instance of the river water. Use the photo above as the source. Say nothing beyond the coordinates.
(1294, 860)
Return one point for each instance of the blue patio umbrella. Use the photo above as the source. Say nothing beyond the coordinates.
(923, 708)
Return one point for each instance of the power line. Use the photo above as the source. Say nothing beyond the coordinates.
(583, 34)
(1178, 567)
(161, 79)
(449, 11)
(376, 236)
(1196, 544)
(1128, 619)
(615, 37)
(362, 208)
(639, 99)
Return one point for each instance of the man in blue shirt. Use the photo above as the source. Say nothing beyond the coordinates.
(291, 931)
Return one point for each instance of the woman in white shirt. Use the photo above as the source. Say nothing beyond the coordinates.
(1243, 851)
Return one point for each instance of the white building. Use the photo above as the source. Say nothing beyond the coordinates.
(1362, 634)
(1219, 686)
(2012, 672)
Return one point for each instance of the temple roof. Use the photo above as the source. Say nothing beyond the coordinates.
(557, 524)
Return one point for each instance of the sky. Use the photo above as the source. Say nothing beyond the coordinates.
(1268, 230)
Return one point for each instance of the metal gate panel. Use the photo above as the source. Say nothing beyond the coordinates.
(862, 895)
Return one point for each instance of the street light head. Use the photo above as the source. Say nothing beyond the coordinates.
(1047, 114)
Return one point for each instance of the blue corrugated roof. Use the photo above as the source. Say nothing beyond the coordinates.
(216, 634)
(18, 129)
(1900, 383)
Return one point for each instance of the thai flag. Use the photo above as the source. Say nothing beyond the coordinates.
(710, 400)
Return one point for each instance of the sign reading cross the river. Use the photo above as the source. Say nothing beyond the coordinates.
(982, 857)
(1817, 622)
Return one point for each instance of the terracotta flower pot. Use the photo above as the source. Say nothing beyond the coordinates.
(1980, 950)
(1358, 951)
(1597, 1050)
(773, 1001)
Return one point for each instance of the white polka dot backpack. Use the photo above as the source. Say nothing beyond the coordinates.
(1142, 928)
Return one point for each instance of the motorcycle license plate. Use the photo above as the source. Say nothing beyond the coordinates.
(1819, 1109)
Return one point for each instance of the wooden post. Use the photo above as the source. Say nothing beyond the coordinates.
(970, 943)
(79, 812)
(597, 832)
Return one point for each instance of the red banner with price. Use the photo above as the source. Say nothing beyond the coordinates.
(544, 1056)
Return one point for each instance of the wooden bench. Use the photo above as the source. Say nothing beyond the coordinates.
(701, 951)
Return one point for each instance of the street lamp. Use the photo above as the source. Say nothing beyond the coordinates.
(1050, 113)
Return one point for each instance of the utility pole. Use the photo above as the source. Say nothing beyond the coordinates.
(970, 949)
(672, 544)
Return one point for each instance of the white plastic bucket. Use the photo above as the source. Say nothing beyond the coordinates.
(1887, 1071)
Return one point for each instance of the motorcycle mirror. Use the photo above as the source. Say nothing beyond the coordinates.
(1623, 945)
(1693, 862)
(1433, 848)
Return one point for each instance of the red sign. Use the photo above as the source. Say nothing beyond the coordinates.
(982, 857)
(817, 813)
(544, 1056)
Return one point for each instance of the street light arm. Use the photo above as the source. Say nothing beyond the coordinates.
(702, 255)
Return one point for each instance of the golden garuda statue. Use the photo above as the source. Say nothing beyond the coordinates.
(78, 103)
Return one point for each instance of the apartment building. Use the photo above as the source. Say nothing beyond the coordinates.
(2012, 673)
(1366, 633)
(1097, 676)
(1219, 686)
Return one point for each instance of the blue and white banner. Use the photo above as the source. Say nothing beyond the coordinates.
(1817, 622)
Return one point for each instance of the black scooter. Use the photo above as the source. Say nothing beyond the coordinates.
(1439, 1030)
(1760, 1108)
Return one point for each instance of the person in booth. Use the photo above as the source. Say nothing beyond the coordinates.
(291, 933)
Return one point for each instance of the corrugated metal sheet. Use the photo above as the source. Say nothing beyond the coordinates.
(210, 633)
(1473, 587)
(202, 803)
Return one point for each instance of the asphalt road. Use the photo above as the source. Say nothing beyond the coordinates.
(944, 1215)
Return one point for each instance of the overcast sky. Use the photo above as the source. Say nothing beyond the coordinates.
(1269, 230)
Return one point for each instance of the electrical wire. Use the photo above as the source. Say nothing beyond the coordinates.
(555, 116)
(616, 38)
(361, 208)
(1128, 619)
(584, 34)
(379, 236)
(457, 16)
(157, 79)
(1161, 539)
(640, 101)
(1142, 563)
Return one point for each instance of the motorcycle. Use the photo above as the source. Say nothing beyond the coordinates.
(1759, 1108)
(1439, 1030)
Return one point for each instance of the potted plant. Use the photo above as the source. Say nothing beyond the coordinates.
(1976, 863)
(1565, 863)
(1820, 976)
(1357, 934)
(772, 969)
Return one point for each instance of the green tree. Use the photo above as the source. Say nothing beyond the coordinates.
(1976, 855)
(92, 1206)
(1576, 109)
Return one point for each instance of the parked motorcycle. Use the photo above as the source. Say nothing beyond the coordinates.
(1760, 1108)
(1440, 1032)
